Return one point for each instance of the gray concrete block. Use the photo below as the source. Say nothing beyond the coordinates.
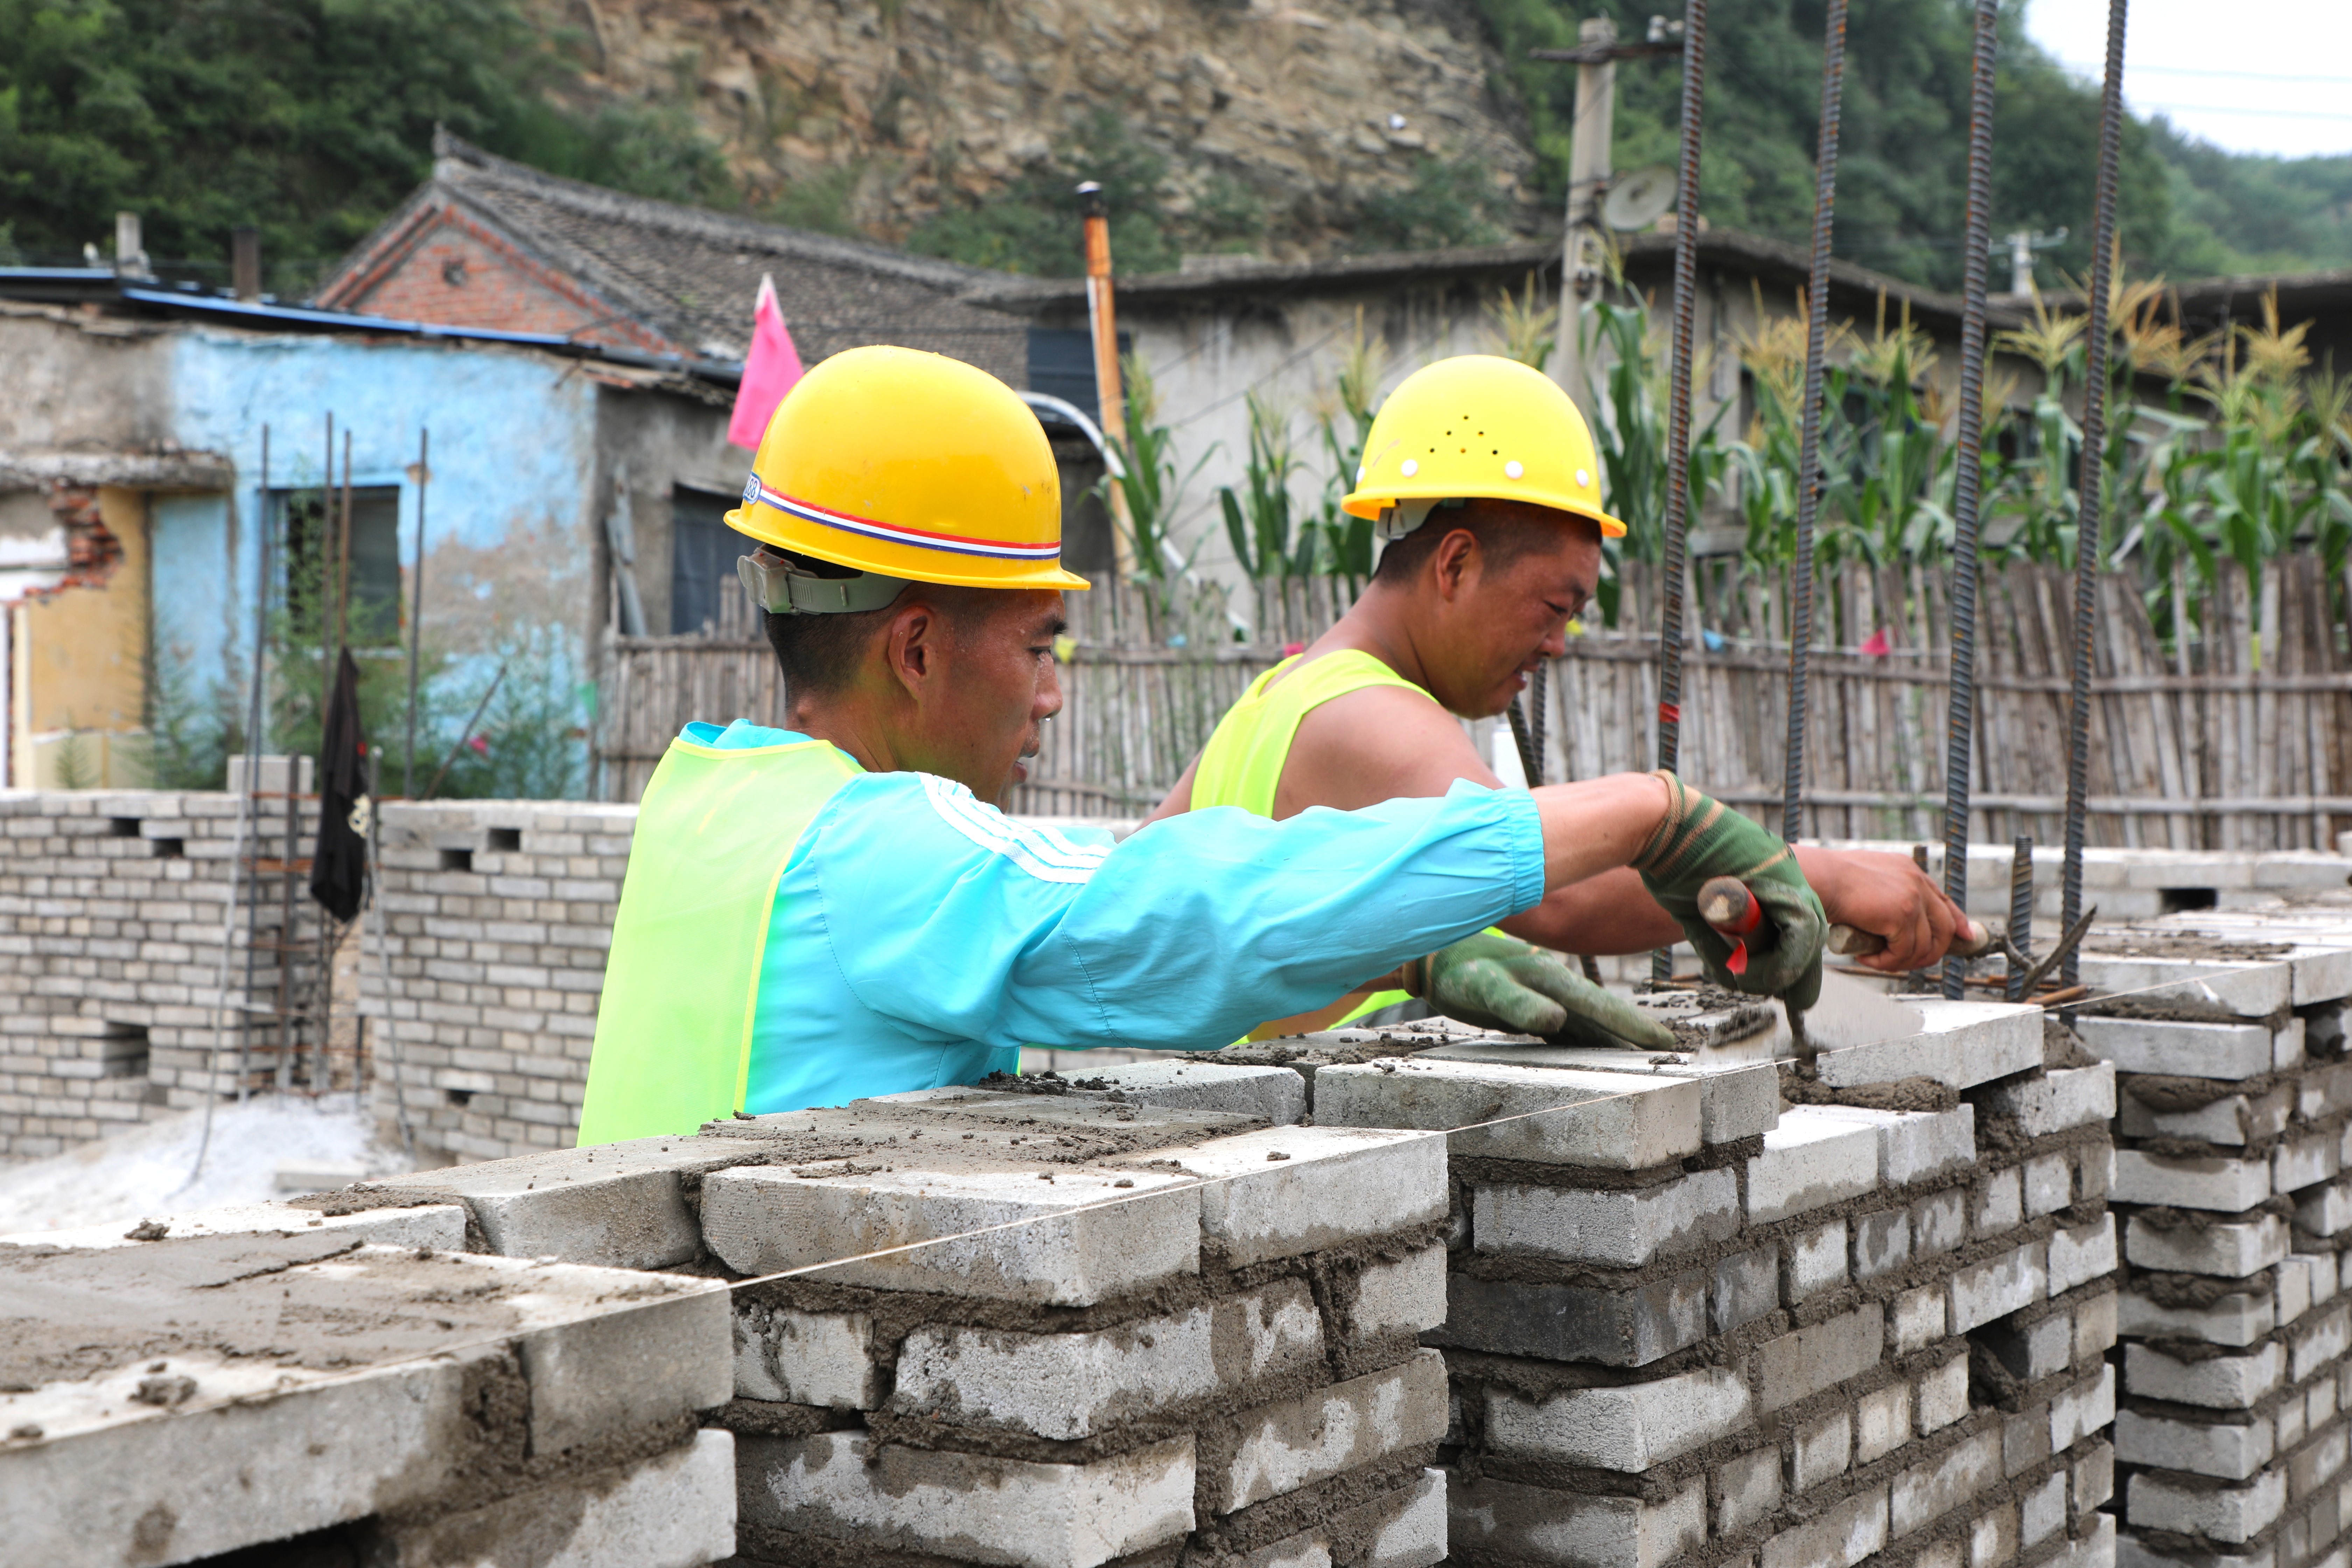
(1409, 1293)
(805, 1358)
(1919, 1316)
(2217, 1382)
(2229, 1249)
(1737, 1099)
(2230, 1451)
(2217, 1050)
(1811, 1160)
(2086, 1408)
(1941, 1397)
(1072, 1385)
(619, 1205)
(2325, 1211)
(1749, 1490)
(1508, 1522)
(1276, 1093)
(1799, 1365)
(2216, 1182)
(1070, 1242)
(1963, 1044)
(1630, 1327)
(1813, 1261)
(437, 1227)
(2059, 1100)
(674, 1510)
(1998, 1204)
(2094, 1476)
(2034, 1351)
(1940, 1222)
(372, 1413)
(1881, 1422)
(2082, 1254)
(2231, 1514)
(2233, 1119)
(1630, 1428)
(1916, 1146)
(1611, 1121)
(2042, 1510)
(2204, 988)
(1279, 1448)
(2302, 1163)
(1882, 1243)
(1839, 1536)
(1821, 1451)
(1743, 1287)
(1934, 1488)
(1624, 1228)
(2323, 1337)
(2237, 1319)
(1998, 1287)
(2049, 1185)
(846, 1487)
(1288, 1190)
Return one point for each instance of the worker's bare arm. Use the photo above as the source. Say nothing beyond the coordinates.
(1612, 912)
(1598, 824)
(1180, 799)
(1375, 744)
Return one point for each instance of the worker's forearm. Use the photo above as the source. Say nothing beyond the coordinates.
(1596, 825)
(1609, 913)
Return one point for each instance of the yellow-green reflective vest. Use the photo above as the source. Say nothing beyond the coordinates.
(1242, 764)
(682, 985)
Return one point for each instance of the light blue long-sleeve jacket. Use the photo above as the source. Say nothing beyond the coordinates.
(920, 939)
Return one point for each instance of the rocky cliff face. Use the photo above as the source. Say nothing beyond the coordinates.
(1272, 127)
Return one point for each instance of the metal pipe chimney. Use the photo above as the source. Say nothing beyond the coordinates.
(245, 262)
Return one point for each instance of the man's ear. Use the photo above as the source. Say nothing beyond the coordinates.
(1454, 559)
(912, 645)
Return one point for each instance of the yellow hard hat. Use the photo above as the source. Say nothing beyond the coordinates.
(909, 466)
(1478, 426)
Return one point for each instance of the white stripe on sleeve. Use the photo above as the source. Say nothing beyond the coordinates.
(1044, 853)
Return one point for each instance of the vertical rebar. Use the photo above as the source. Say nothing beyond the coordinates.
(342, 567)
(1538, 713)
(2021, 915)
(1809, 478)
(1960, 736)
(1679, 408)
(416, 610)
(2094, 469)
(266, 527)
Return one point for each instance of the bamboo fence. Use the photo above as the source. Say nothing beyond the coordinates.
(2241, 740)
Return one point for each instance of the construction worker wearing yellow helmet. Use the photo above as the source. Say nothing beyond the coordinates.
(1482, 477)
(839, 908)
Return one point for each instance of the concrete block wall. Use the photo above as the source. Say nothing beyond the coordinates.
(2235, 1216)
(1062, 1329)
(1688, 1323)
(111, 905)
(355, 1388)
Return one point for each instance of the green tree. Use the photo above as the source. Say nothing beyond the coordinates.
(310, 119)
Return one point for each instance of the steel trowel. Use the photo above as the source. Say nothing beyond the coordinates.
(1846, 1014)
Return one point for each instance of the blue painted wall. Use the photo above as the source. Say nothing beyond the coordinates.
(511, 520)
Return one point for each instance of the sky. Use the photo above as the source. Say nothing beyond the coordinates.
(2252, 75)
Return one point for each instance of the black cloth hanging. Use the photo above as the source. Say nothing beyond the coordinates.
(346, 813)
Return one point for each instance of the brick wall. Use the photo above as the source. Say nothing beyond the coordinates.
(456, 273)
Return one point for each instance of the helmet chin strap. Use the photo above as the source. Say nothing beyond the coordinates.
(783, 588)
(1395, 522)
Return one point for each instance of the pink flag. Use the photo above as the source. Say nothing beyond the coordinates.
(769, 371)
(1877, 646)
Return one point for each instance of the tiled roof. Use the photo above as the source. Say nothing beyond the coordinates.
(691, 275)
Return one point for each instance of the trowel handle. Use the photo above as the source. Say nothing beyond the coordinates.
(1725, 903)
(1847, 942)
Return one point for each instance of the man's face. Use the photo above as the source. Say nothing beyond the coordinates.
(983, 721)
(1500, 622)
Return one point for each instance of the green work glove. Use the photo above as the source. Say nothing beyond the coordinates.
(1702, 837)
(1501, 983)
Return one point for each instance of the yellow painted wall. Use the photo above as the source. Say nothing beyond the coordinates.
(84, 663)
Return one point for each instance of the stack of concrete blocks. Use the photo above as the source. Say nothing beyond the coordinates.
(111, 916)
(1688, 1324)
(2235, 1115)
(1145, 1320)
(355, 1388)
(2139, 884)
(499, 916)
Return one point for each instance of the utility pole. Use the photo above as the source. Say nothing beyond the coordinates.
(1591, 134)
(2022, 244)
(1110, 398)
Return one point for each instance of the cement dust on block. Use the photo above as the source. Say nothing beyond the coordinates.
(140, 1172)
